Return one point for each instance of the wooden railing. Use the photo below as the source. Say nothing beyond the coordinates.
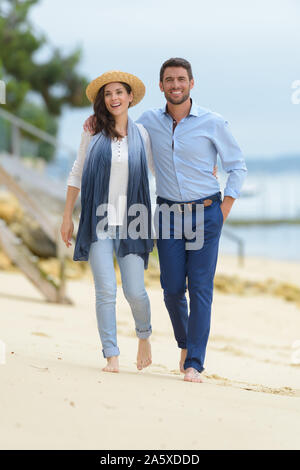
(11, 244)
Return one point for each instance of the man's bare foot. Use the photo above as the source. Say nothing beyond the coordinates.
(112, 364)
(192, 375)
(182, 359)
(144, 358)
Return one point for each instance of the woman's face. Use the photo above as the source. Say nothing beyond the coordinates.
(116, 98)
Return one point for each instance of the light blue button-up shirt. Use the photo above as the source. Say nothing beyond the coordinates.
(184, 161)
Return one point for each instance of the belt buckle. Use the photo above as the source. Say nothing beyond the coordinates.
(179, 208)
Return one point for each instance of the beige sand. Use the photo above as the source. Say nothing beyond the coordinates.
(55, 396)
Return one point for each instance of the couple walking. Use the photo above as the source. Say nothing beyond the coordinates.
(180, 144)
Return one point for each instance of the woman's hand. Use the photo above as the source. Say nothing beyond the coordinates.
(66, 230)
(88, 125)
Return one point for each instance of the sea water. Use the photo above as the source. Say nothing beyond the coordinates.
(271, 192)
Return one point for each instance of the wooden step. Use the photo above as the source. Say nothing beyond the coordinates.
(23, 258)
(21, 255)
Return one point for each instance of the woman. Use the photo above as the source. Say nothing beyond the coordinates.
(111, 170)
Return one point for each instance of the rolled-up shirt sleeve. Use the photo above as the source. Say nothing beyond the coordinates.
(74, 178)
(231, 157)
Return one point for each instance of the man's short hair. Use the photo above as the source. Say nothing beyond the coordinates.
(176, 62)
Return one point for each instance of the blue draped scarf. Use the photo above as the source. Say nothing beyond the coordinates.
(94, 191)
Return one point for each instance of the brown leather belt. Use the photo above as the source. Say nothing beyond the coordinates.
(206, 202)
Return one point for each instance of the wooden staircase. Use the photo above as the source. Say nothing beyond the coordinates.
(21, 255)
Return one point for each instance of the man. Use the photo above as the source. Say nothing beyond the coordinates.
(185, 142)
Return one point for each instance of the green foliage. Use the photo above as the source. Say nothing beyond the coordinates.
(55, 81)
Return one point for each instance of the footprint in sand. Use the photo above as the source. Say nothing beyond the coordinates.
(40, 333)
(158, 367)
(233, 350)
(41, 369)
(283, 391)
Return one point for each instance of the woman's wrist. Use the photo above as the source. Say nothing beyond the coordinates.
(67, 216)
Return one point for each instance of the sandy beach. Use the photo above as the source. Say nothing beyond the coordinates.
(55, 396)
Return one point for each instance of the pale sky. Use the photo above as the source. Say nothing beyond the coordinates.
(244, 54)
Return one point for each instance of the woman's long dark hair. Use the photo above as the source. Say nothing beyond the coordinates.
(103, 120)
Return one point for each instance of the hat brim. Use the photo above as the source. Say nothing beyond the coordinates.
(137, 87)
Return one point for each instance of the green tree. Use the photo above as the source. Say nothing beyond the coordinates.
(35, 90)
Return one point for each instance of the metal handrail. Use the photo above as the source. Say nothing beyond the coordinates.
(240, 242)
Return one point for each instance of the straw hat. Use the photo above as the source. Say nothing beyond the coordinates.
(137, 86)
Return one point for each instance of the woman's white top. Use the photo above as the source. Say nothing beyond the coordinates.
(118, 182)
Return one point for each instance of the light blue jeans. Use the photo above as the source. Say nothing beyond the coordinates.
(101, 259)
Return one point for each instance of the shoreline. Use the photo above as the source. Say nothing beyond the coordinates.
(261, 222)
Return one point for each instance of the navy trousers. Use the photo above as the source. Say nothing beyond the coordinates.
(197, 267)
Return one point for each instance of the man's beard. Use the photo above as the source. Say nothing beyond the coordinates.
(183, 99)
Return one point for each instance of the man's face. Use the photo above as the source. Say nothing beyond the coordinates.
(176, 85)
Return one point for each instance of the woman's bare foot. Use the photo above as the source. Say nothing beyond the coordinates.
(112, 364)
(144, 358)
(182, 359)
(192, 375)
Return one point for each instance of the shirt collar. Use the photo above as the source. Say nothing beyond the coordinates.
(194, 111)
